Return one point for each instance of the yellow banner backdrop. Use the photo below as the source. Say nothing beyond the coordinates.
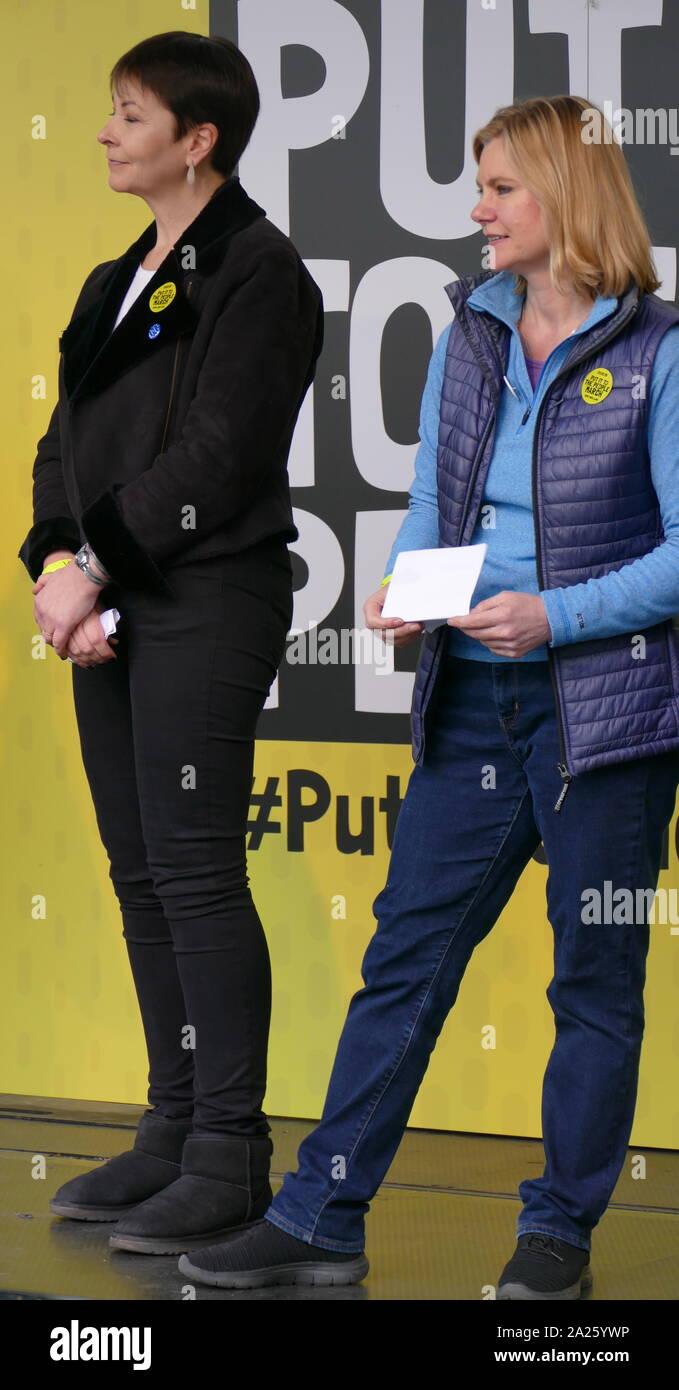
(69, 1017)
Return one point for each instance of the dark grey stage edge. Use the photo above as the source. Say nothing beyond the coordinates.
(441, 1227)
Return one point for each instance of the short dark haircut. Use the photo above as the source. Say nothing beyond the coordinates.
(198, 79)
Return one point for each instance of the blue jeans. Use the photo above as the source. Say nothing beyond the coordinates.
(475, 811)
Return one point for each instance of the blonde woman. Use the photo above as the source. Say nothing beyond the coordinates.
(553, 398)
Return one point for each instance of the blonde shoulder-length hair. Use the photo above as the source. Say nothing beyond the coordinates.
(597, 231)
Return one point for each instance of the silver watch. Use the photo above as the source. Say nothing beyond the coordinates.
(83, 557)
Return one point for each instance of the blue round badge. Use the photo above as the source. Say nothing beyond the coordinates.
(154, 330)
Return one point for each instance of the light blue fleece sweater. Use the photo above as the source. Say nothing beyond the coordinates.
(642, 593)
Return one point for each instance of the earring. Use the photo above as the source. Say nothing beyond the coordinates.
(191, 174)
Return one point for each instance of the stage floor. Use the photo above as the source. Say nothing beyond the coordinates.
(441, 1227)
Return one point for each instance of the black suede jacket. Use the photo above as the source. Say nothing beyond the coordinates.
(170, 437)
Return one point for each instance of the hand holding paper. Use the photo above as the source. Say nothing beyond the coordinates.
(426, 584)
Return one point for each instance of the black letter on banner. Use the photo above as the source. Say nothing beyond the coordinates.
(300, 814)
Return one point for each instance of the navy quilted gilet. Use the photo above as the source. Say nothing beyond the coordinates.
(594, 507)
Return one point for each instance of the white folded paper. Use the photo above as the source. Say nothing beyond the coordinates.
(108, 620)
(428, 583)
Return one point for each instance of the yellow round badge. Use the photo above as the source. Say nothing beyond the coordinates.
(597, 385)
(162, 296)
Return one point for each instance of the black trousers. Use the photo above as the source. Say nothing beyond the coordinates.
(167, 738)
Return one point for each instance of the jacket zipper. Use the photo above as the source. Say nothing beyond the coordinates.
(472, 477)
(566, 775)
(562, 767)
(177, 352)
(480, 451)
(465, 509)
(470, 488)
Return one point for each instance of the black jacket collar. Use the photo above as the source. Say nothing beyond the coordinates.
(94, 353)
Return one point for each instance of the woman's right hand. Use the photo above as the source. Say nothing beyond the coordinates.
(87, 645)
(403, 632)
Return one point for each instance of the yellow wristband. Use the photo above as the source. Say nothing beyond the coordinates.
(57, 565)
(386, 579)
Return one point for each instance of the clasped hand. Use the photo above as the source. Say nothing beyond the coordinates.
(66, 609)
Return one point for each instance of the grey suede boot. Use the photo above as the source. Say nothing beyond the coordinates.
(223, 1188)
(120, 1184)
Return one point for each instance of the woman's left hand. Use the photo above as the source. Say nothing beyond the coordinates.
(508, 624)
(64, 598)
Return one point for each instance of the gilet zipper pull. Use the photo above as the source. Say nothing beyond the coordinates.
(567, 779)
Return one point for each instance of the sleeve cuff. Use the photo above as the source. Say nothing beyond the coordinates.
(557, 617)
(119, 551)
(57, 533)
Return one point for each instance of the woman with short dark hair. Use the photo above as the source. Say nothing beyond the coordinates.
(161, 490)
